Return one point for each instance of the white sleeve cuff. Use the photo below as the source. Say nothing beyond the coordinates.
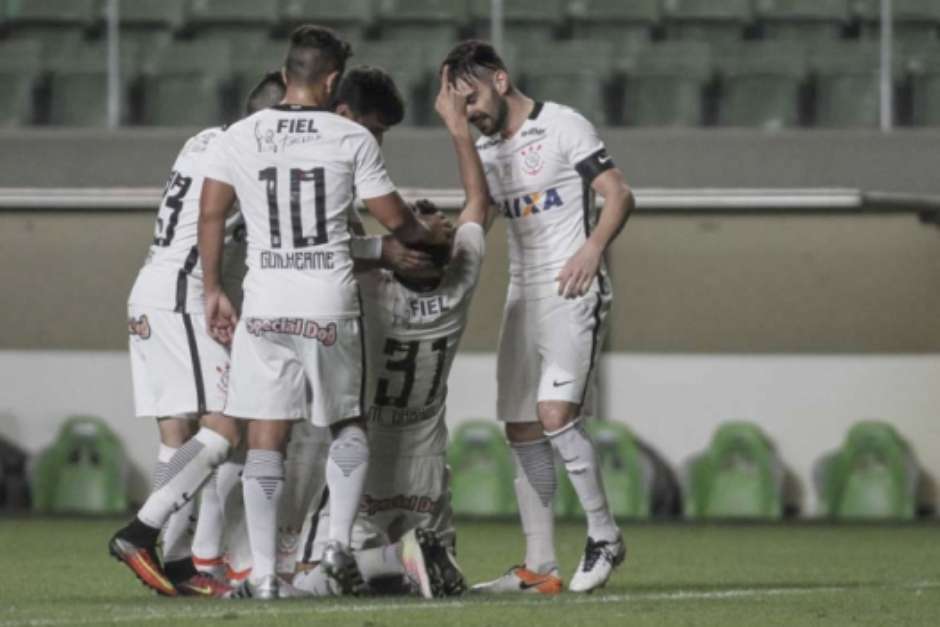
(366, 248)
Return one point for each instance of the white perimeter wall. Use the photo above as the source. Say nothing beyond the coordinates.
(805, 403)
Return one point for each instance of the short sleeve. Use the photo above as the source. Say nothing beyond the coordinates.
(583, 148)
(214, 163)
(463, 273)
(371, 178)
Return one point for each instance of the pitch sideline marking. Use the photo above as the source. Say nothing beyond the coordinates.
(243, 610)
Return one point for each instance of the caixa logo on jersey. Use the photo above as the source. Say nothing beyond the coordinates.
(531, 204)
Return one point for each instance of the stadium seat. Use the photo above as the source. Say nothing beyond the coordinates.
(82, 472)
(525, 22)
(574, 73)
(58, 25)
(249, 64)
(412, 66)
(20, 69)
(738, 476)
(151, 23)
(924, 69)
(14, 489)
(873, 475)
(847, 84)
(627, 474)
(186, 85)
(802, 20)
(78, 90)
(761, 85)
(665, 84)
(707, 20)
(410, 21)
(914, 20)
(627, 25)
(353, 18)
(481, 470)
(235, 22)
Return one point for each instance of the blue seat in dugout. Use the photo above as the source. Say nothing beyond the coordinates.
(481, 470)
(83, 472)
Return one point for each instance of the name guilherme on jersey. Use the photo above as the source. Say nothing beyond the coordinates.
(301, 260)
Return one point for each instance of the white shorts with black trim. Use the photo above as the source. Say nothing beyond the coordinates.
(177, 368)
(273, 360)
(548, 351)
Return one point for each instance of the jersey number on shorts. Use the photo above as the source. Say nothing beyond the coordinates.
(173, 193)
(407, 364)
(297, 176)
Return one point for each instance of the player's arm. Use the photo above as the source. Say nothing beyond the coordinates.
(584, 148)
(215, 202)
(451, 106)
(372, 251)
(392, 212)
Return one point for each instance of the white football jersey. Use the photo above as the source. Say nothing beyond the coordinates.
(413, 336)
(171, 277)
(541, 180)
(294, 170)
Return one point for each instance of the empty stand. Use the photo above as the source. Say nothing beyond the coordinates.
(665, 85)
(573, 73)
(847, 84)
(20, 70)
(78, 89)
(707, 20)
(58, 25)
(762, 84)
(526, 22)
(441, 22)
(924, 67)
(185, 85)
(151, 23)
(353, 18)
(914, 20)
(802, 20)
(626, 25)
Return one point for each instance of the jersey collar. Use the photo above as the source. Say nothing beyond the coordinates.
(536, 109)
(296, 107)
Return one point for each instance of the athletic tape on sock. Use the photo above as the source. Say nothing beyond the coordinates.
(537, 461)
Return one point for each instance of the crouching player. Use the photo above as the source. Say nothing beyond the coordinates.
(414, 326)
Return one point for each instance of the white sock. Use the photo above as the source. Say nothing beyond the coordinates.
(304, 480)
(381, 561)
(186, 471)
(536, 485)
(177, 532)
(577, 450)
(316, 583)
(262, 483)
(207, 540)
(345, 476)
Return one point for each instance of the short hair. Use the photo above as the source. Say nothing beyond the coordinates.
(313, 53)
(468, 57)
(366, 89)
(268, 92)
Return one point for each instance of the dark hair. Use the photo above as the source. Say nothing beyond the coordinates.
(366, 89)
(267, 93)
(468, 57)
(313, 53)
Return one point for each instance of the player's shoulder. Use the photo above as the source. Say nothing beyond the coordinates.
(200, 142)
(562, 115)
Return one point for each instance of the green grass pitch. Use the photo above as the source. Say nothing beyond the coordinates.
(57, 572)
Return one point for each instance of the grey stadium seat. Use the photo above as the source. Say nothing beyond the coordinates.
(185, 84)
(78, 91)
(20, 68)
(625, 24)
(712, 21)
(803, 20)
(761, 85)
(847, 84)
(665, 85)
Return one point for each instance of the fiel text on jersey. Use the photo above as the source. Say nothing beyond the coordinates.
(427, 307)
(531, 204)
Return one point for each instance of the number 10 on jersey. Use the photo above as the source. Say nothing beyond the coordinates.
(300, 206)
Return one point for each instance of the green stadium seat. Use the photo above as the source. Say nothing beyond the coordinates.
(58, 25)
(738, 476)
(873, 475)
(20, 69)
(353, 18)
(802, 20)
(249, 64)
(627, 25)
(707, 20)
(572, 73)
(924, 69)
(149, 23)
(440, 21)
(914, 20)
(626, 475)
(761, 85)
(82, 472)
(525, 22)
(847, 84)
(78, 91)
(186, 84)
(413, 67)
(481, 470)
(235, 22)
(665, 84)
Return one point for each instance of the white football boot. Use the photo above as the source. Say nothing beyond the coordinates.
(520, 579)
(599, 560)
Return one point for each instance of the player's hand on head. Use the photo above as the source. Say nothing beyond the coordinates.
(579, 272)
(440, 229)
(450, 103)
(403, 260)
(221, 316)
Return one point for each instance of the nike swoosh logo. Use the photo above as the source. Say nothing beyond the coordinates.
(558, 384)
(525, 586)
(206, 591)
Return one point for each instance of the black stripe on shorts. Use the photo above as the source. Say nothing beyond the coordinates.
(197, 365)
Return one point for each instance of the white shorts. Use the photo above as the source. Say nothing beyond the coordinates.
(548, 349)
(407, 487)
(177, 368)
(273, 360)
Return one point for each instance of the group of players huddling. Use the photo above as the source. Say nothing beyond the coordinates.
(323, 394)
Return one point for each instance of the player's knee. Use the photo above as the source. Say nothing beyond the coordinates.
(268, 435)
(224, 425)
(555, 415)
(524, 431)
(357, 423)
(176, 430)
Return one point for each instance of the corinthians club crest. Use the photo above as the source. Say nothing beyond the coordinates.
(532, 159)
